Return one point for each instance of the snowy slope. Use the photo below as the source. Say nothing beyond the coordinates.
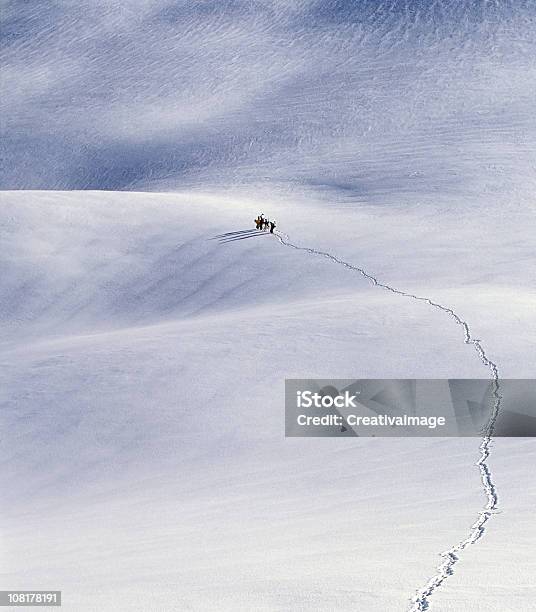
(146, 331)
(372, 100)
(142, 369)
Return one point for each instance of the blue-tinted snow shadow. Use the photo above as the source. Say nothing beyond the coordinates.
(240, 235)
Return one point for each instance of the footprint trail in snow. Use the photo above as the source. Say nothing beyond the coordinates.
(421, 601)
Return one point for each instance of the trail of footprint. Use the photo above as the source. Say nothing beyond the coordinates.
(421, 601)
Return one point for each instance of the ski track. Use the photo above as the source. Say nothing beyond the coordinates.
(421, 601)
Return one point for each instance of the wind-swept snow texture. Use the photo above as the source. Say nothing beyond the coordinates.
(377, 100)
(142, 358)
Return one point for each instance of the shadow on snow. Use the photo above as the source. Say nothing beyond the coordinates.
(239, 235)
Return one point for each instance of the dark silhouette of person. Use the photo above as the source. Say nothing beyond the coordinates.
(272, 227)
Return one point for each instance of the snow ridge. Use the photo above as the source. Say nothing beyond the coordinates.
(420, 602)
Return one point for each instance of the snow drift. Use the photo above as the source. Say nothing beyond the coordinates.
(143, 354)
(142, 363)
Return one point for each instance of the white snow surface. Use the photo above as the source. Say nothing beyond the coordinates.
(142, 369)
(143, 349)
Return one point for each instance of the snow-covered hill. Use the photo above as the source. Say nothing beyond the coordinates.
(146, 338)
(378, 100)
(146, 330)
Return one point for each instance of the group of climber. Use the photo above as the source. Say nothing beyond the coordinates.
(262, 223)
